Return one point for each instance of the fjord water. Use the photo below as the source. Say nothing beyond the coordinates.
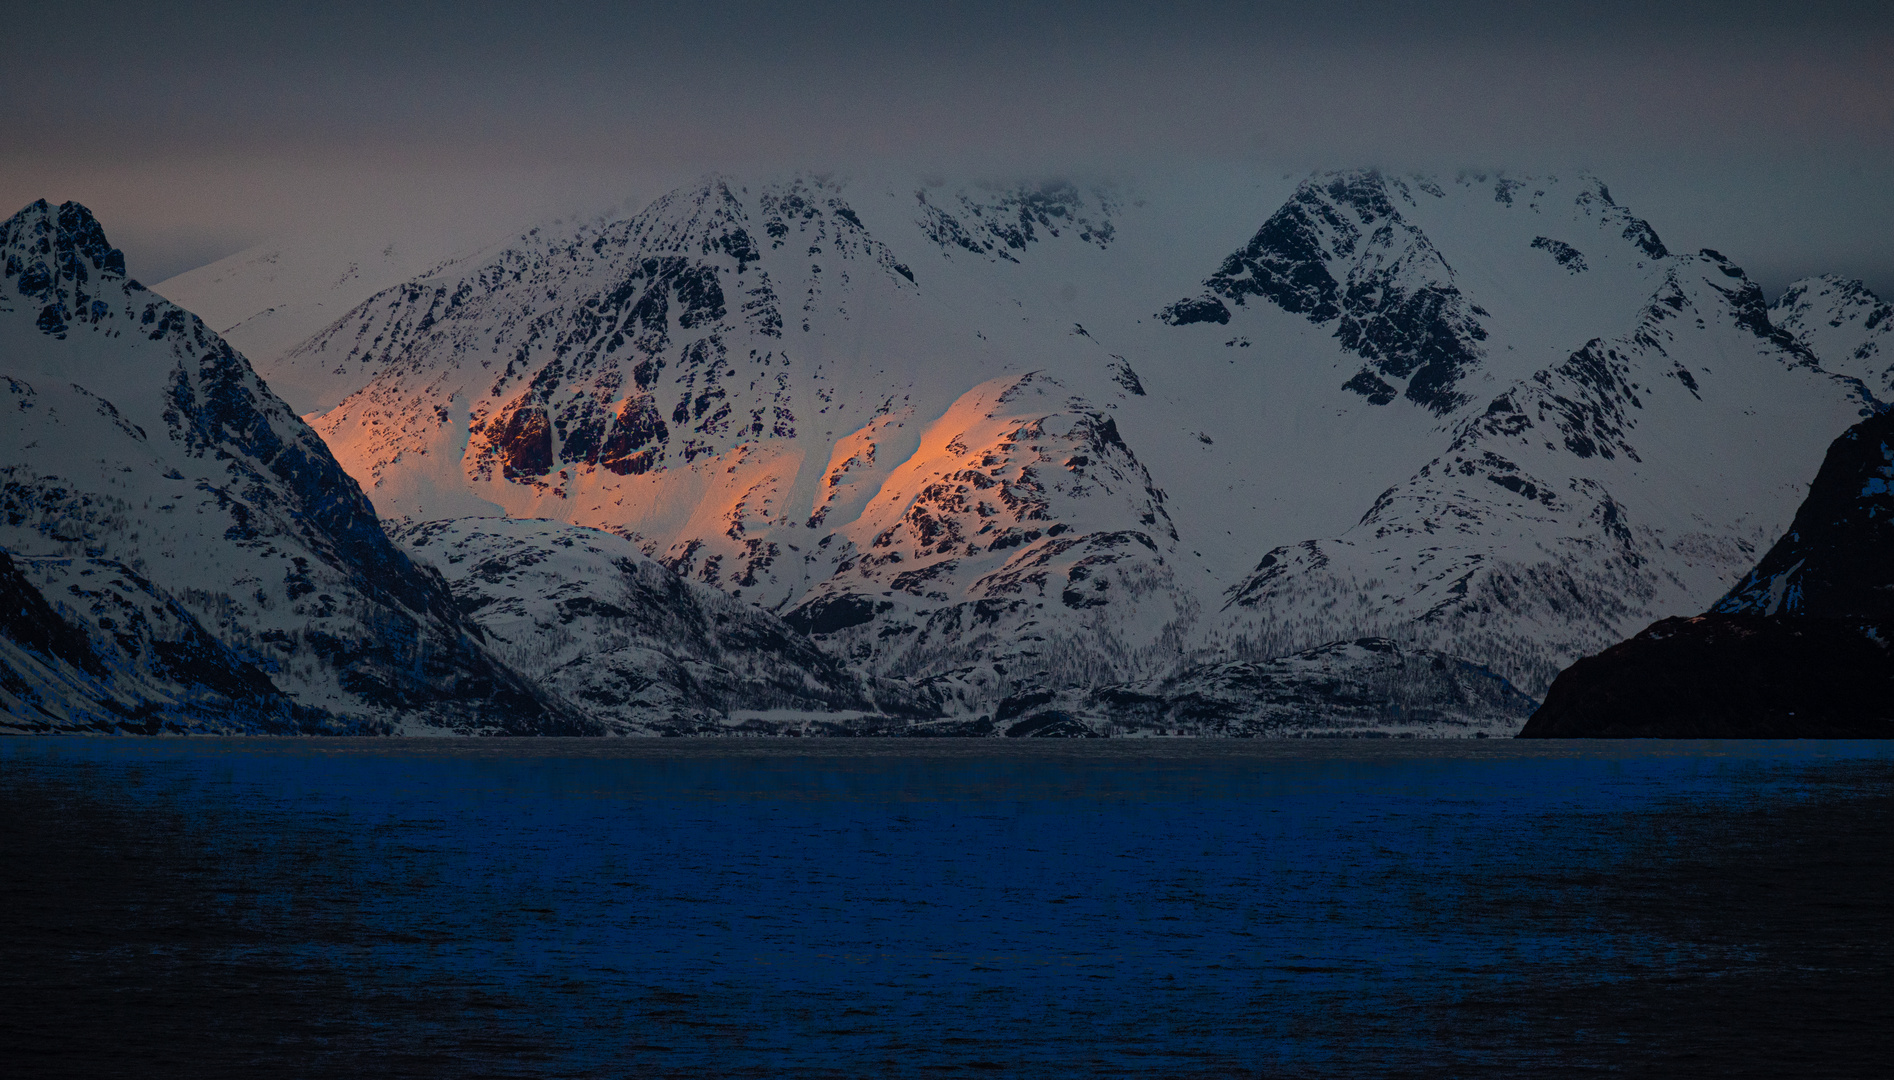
(912, 907)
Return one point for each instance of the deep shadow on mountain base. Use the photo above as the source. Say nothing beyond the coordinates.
(1727, 677)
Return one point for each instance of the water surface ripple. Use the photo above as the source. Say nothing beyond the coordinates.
(555, 908)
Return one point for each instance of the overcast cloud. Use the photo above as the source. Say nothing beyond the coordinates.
(1766, 130)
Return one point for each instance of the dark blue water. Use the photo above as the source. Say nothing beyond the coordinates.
(1177, 908)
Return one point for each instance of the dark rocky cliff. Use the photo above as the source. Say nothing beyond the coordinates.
(1798, 649)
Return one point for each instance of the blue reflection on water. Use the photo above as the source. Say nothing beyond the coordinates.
(1180, 907)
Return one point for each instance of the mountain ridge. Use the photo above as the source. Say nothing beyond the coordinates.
(1507, 381)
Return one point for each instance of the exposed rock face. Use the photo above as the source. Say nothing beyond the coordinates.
(1798, 649)
(181, 552)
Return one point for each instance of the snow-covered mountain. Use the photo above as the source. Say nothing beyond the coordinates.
(180, 551)
(1635, 479)
(1011, 438)
(755, 386)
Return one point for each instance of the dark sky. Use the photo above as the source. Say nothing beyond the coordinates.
(1764, 129)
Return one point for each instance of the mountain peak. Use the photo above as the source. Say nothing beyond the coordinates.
(59, 261)
(88, 238)
(1340, 252)
(39, 229)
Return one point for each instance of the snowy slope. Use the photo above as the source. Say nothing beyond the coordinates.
(1844, 324)
(211, 564)
(270, 298)
(596, 622)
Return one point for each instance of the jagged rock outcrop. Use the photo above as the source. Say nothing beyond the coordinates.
(1798, 649)
(1340, 252)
